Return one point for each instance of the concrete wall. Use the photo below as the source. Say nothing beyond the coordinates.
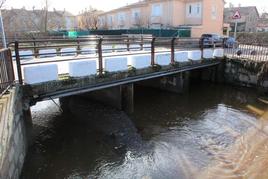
(13, 136)
(245, 73)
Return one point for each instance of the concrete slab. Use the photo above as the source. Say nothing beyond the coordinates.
(88, 50)
(40, 73)
(219, 53)
(208, 53)
(163, 59)
(194, 55)
(82, 68)
(113, 64)
(139, 61)
(68, 51)
(44, 53)
(181, 56)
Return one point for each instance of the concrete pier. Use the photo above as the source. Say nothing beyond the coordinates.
(178, 83)
(120, 97)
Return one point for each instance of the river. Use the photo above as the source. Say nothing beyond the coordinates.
(213, 131)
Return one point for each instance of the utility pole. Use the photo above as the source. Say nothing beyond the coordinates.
(46, 15)
(2, 31)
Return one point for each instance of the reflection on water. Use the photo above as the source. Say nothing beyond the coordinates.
(214, 131)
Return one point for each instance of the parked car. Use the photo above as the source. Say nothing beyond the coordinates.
(209, 40)
(230, 42)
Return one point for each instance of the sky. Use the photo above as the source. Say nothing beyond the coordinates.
(75, 6)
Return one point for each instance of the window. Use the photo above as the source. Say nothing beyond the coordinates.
(190, 9)
(121, 17)
(198, 9)
(194, 10)
(136, 14)
(156, 10)
(213, 12)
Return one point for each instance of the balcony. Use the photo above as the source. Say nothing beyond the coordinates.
(156, 20)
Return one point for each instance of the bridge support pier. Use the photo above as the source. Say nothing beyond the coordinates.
(120, 97)
(178, 83)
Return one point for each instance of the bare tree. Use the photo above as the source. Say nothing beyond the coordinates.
(2, 3)
(89, 19)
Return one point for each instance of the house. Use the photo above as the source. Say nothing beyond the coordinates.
(263, 23)
(18, 22)
(249, 18)
(202, 16)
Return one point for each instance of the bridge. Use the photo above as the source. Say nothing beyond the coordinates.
(57, 68)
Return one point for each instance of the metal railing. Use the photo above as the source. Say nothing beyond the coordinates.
(6, 71)
(248, 51)
(102, 46)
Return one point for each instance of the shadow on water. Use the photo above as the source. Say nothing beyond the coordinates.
(168, 136)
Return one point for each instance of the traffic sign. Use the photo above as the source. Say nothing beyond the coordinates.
(237, 15)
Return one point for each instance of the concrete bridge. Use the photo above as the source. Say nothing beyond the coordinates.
(100, 68)
(57, 68)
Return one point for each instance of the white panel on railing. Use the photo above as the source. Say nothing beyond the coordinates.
(181, 56)
(139, 61)
(207, 53)
(40, 73)
(88, 50)
(82, 68)
(135, 47)
(218, 53)
(47, 53)
(194, 55)
(108, 48)
(112, 64)
(147, 47)
(68, 51)
(26, 54)
(121, 48)
(163, 59)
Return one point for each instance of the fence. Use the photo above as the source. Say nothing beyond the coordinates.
(248, 51)
(6, 70)
(100, 47)
(180, 32)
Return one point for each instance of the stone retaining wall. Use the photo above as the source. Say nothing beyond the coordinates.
(246, 73)
(13, 136)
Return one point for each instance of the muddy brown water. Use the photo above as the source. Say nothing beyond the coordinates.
(214, 131)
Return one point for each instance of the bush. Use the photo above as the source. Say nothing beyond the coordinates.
(253, 38)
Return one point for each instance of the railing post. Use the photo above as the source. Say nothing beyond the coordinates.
(35, 50)
(100, 56)
(153, 51)
(18, 62)
(10, 66)
(202, 47)
(128, 44)
(78, 49)
(173, 50)
(141, 42)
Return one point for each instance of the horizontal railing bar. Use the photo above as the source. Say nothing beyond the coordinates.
(89, 57)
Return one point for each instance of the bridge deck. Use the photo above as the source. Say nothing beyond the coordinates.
(67, 86)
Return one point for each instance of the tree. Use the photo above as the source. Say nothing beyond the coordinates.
(2, 3)
(89, 19)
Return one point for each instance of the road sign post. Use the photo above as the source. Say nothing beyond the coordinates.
(236, 17)
(235, 31)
